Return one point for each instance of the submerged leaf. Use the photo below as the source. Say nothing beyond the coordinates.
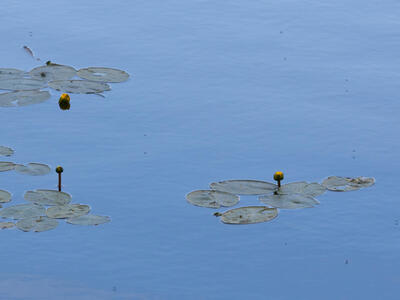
(6, 166)
(67, 211)
(244, 187)
(21, 211)
(311, 189)
(103, 74)
(6, 151)
(345, 184)
(6, 225)
(23, 98)
(34, 169)
(37, 224)
(289, 201)
(4, 196)
(212, 199)
(21, 83)
(7, 73)
(89, 220)
(48, 197)
(79, 86)
(53, 72)
(249, 215)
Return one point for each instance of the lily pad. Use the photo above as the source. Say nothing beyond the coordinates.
(7, 73)
(21, 83)
(22, 211)
(23, 98)
(33, 169)
(6, 166)
(6, 151)
(244, 187)
(37, 224)
(48, 197)
(311, 189)
(345, 184)
(289, 201)
(248, 215)
(212, 199)
(67, 211)
(4, 196)
(79, 86)
(103, 74)
(53, 72)
(89, 220)
(6, 225)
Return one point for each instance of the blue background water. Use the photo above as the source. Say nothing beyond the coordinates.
(218, 90)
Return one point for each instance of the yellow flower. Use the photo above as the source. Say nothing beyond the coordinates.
(59, 169)
(278, 176)
(64, 97)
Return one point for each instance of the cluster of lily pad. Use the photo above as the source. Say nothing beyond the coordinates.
(294, 195)
(45, 207)
(25, 86)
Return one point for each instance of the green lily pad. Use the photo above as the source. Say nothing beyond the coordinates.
(289, 201)
(103, 74)
(7, 73)
(6, 166)
(47, 197)
(6, 151)
(345, 184)
(21, 84)
(89, 220)
(248, 215)
(212, 199)
(67, 211)
(37, 224)
(34, 169)
(79, 86)
(6, 225)
(311, 189)
(22, 211)
(53, 72)
(244, 187)
(4, 196)
(23, 98)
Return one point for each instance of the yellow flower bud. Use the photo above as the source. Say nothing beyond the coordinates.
(59, 169)
(278, 176)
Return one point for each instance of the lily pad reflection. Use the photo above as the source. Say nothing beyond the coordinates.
(79, 86)
(22, 211)
(21, 83)
(248, 215)
(289, 201)
(6, 151)
(53, 72)
(47, 197)
(6, 166)
(37, 224)
(34, 169)
(244, 187)
(67, 211)
(212, 199)
(23, 98)
(89, 220)
(345, 184)
(103, 74)
(4, 196)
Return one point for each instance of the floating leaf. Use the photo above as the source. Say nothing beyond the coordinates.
(22, 211)
(6, 166)
(248, 215)
(4, 196)
(7, 73)
(23, 98)
(33, 169)
(6, 225)
(6, 151)
(311, 189)
(244, 187)
(79, 86)
(21, 83)
(37, 224)
(103, 74)
(53, 72)
(48, 197)
(89, 220)
(67, 211)
(345, 184)
(212, 199)
(289, 201)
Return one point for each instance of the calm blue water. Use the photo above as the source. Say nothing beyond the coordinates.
(218, 90)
